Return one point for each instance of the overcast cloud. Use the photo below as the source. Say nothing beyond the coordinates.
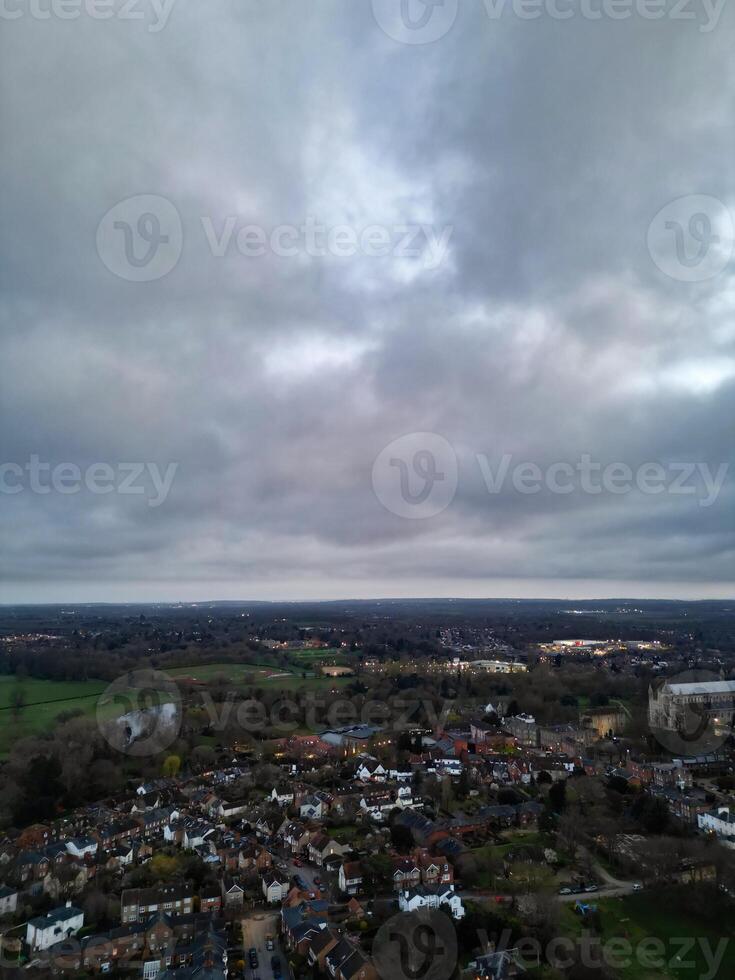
(524, 160)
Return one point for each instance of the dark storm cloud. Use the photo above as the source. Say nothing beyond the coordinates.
(541, 150)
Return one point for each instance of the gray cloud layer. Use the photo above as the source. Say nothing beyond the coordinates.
(547, 331)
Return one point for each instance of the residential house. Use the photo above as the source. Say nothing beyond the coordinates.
(275, 887)
(349, 878)
(137, 904)
(432, 897)
(346, 961)
(315, 806)
(8, 900)
(719, 822)
(321, 847)
(370, 770)
(54, 927)
(232, 893)
(210, 899)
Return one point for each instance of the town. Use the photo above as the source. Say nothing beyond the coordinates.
(490, 796)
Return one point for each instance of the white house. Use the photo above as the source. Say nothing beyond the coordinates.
(404, 796)
(8, 900)
(378, 805)
(196, 834)
(431, 897)
(231, 808)
(370, 770)
(56, 926)
(275, 888)
(350, 878)
(81, 846)
(313, 807)
(450, 766)
(282, 798)
(720, 822)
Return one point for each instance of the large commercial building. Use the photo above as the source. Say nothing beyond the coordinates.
(672, 705)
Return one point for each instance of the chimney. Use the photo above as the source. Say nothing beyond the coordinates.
(68, 903)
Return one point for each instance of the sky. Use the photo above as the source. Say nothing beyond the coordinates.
(363, 299)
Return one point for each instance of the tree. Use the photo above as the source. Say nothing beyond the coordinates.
(558, 794)
(17, 702)
(569, 833)
(171, 765)
(401, 837)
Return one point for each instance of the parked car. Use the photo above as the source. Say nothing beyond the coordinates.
(637, 886)
(566, 890)
(269, 942)
(317, 881)
(253, 957)
(276, 967)
(592, 888)
(298, 863)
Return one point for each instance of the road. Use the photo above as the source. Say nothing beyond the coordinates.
(254, 930)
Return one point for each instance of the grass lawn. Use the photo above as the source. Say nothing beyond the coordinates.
(526, 837)
(647, 915)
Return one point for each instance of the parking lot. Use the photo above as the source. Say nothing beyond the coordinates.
(254, 930)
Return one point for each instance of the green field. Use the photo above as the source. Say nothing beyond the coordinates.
(647, 916)
(43, 702)
(258, 675)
